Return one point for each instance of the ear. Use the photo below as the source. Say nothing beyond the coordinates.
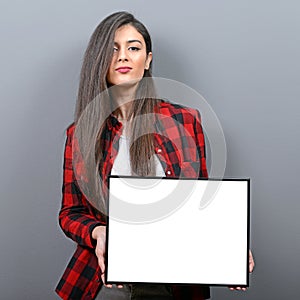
(148, 61)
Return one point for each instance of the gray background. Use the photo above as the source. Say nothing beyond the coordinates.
(242, 56)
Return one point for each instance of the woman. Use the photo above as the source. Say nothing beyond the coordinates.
(108, 134)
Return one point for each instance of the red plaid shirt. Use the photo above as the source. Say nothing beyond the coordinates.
(180, 146)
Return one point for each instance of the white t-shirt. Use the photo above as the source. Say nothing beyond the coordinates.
(121, 164)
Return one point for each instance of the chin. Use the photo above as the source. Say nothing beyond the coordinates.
(128, 83)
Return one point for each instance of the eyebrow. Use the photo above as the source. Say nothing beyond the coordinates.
(131, 41)
(134, 41)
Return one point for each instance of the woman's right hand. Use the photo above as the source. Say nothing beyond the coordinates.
(99, 234)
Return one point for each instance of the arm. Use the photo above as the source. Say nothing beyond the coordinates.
(76, 216)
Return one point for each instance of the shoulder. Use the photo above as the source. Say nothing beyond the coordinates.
(177, 111)
(70, 130)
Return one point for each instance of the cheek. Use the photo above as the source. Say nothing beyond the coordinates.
(141, 65)
(111, 66)
(109, 76)
(110, 72)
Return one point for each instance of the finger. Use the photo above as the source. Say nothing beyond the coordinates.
(238, 288)
(108, 285)
(103, 280)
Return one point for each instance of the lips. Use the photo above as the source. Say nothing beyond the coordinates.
(123, 69)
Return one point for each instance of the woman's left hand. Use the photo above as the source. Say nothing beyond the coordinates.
(251, 268)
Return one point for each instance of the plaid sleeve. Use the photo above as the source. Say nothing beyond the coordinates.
(200, 143)
(75, 217)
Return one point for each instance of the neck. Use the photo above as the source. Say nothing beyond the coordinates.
(122, 100)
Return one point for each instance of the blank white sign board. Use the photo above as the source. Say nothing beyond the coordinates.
(189, 244)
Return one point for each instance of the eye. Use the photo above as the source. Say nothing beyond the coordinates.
(133, 48)
(115, 49)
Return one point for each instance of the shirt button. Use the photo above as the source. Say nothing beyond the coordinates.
(169, 172)
(158, 150)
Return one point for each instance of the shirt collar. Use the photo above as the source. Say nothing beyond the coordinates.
(113, 123)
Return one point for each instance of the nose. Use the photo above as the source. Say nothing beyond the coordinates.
(122, 55)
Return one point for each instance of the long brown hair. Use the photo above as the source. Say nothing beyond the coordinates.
(94, 106)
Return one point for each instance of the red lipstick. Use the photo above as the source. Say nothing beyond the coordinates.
(123, 69)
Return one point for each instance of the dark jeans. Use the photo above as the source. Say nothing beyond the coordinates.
(151, 292)
(136, 292)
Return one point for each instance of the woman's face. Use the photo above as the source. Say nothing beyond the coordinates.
(130, 58)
